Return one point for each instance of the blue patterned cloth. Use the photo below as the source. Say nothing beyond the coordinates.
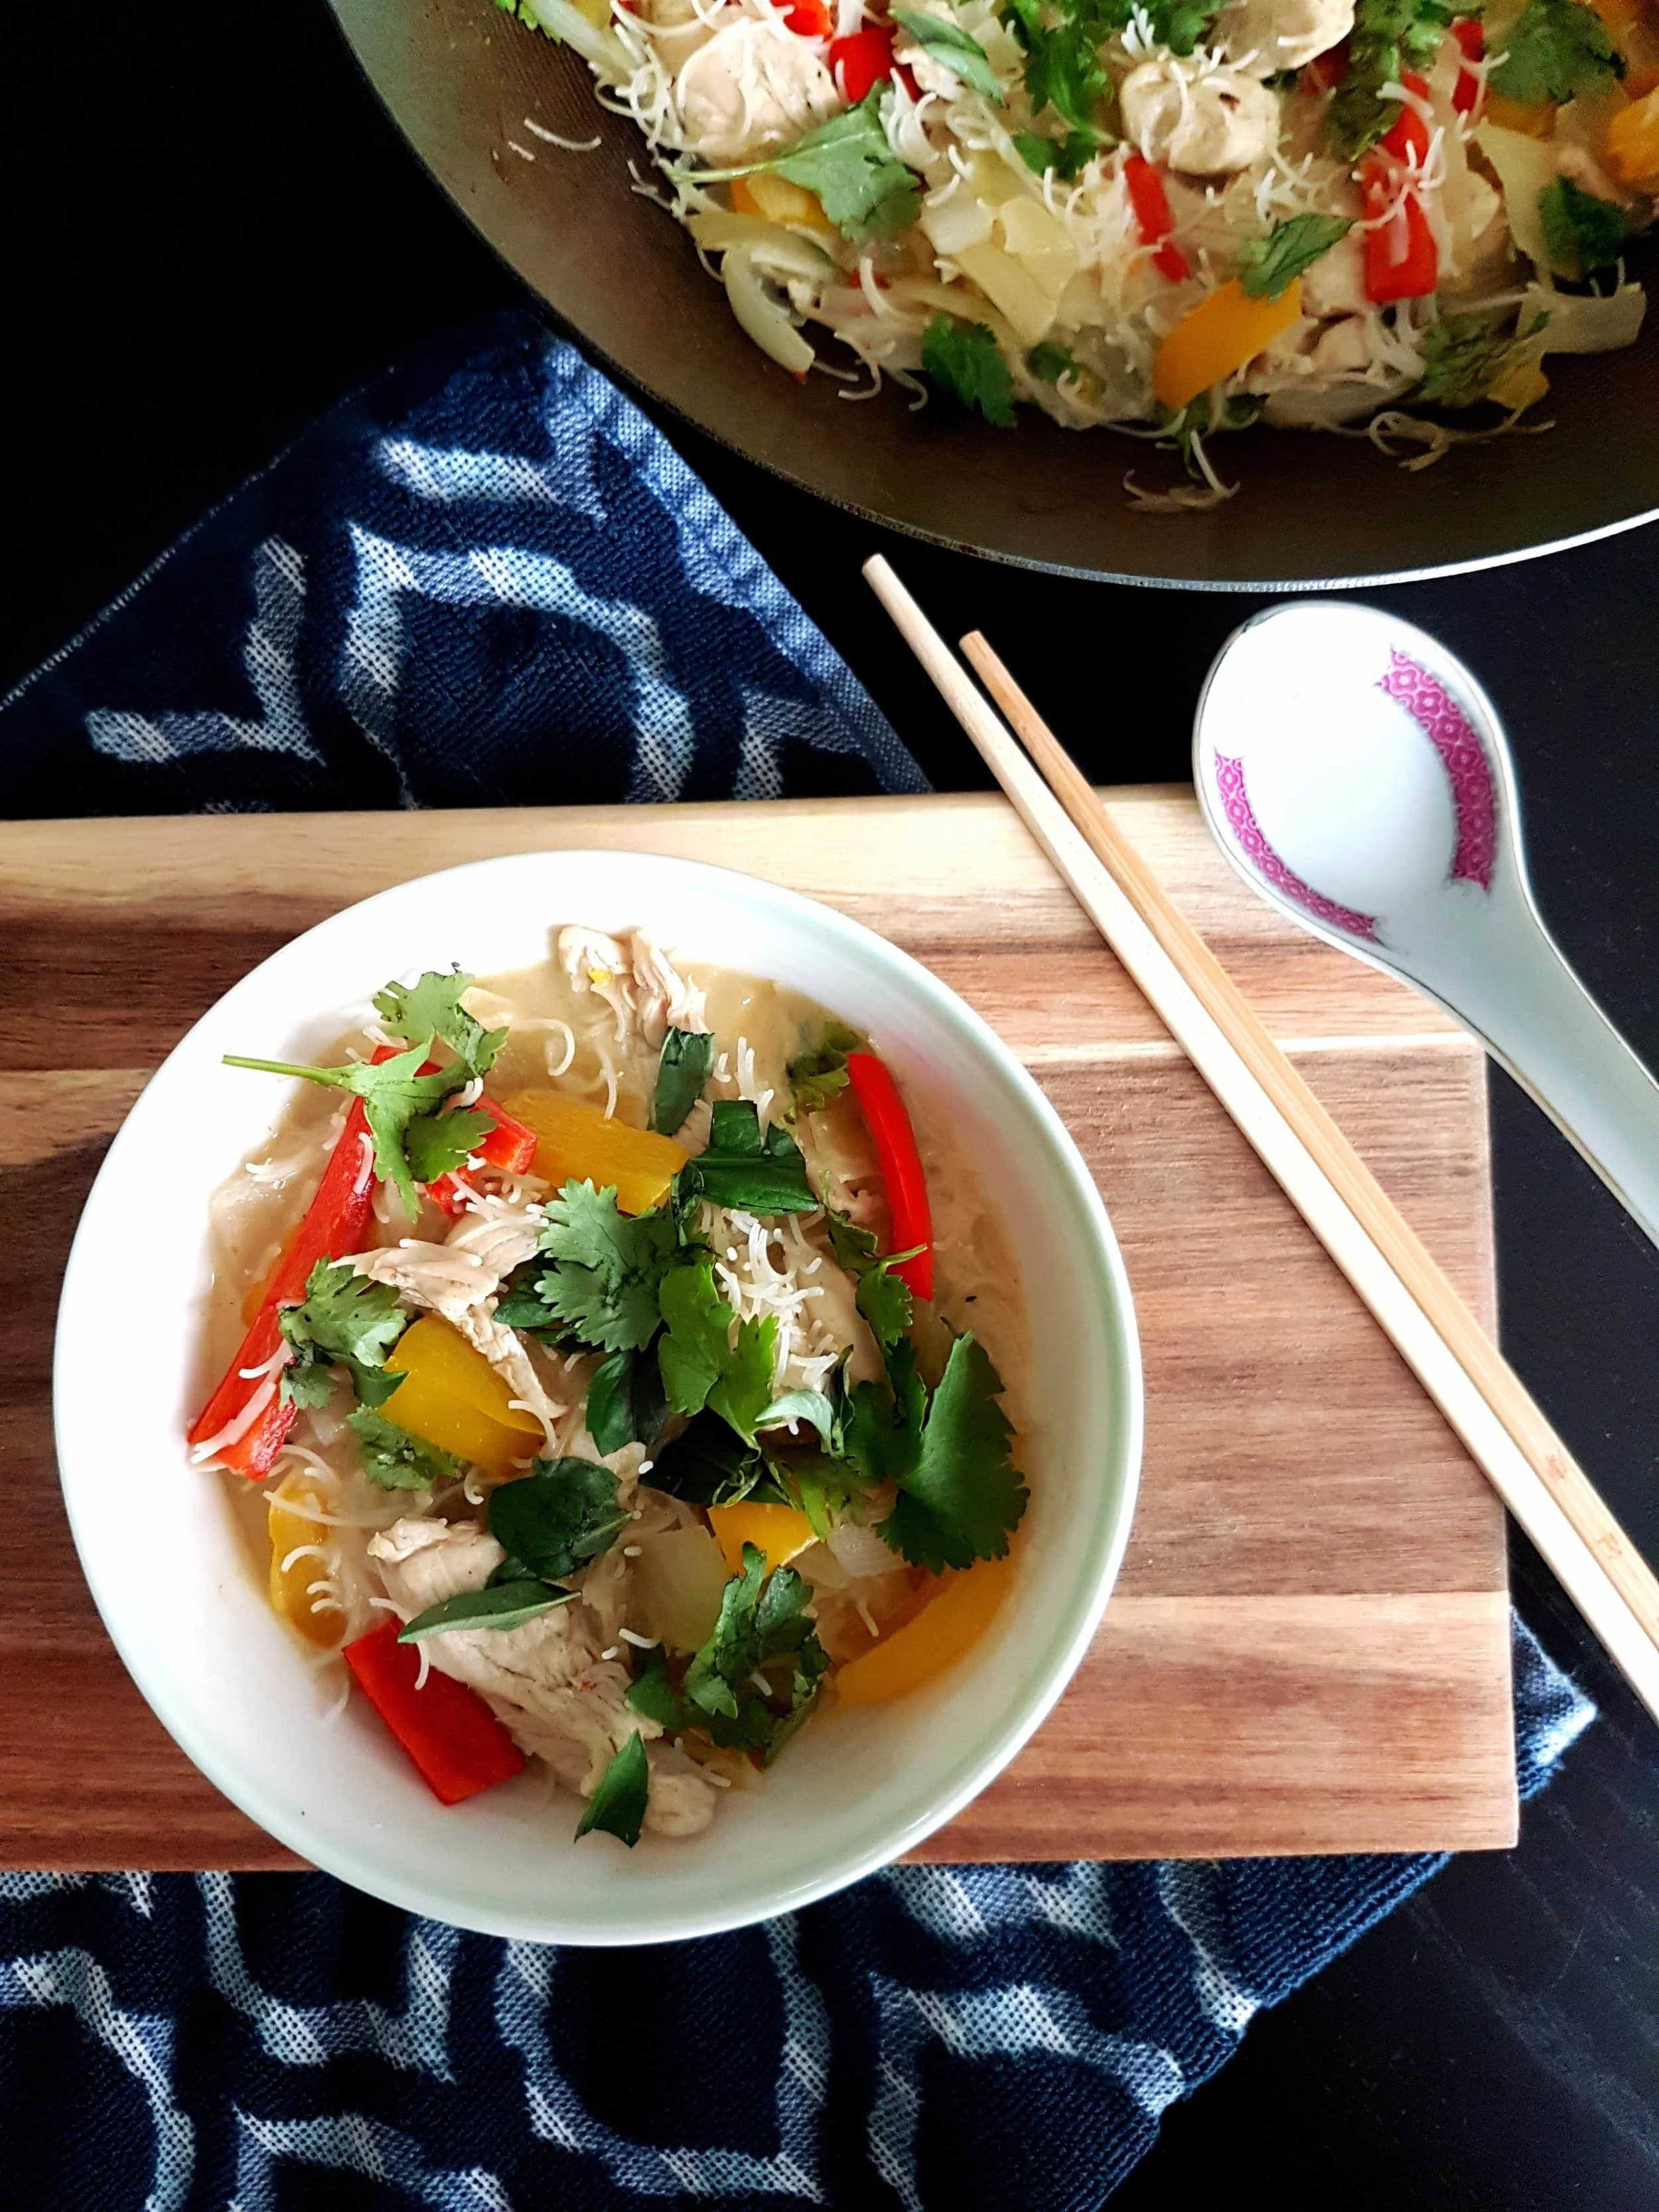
(489, 580)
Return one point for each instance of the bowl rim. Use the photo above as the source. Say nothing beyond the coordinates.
(1119, 1458)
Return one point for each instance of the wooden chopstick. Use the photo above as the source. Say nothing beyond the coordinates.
(1484, 1400)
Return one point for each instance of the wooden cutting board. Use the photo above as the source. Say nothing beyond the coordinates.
(1308, 1650)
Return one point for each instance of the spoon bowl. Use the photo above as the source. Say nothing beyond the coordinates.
(1354, 772)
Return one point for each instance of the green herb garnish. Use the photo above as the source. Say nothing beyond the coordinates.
(1048, 362)
(607, 1269)
(763, 1630)
(344, 1317)
(1268, 265)
(864, 188)
(965, 360)
(432, 1008)
(394, 1093)
(1583, 233)
(1463, 357)
(709, 1357)
(558, 1517)
(686, 1062)
(396, 1459)
(617, 1805)
(744, 1168)
(960, 1492)
(819, 1073)
(497, 1605)
(1553, 51)
(947, 42)
(1387, 36)
(625, 1402)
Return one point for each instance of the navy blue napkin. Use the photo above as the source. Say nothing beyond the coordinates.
(490, 581)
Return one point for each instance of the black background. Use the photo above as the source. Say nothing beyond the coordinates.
(213, 231)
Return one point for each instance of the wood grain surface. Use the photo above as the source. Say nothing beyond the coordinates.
(1309, 1648)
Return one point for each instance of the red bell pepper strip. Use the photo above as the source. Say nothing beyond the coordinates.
(453, 1738)
(1401, 259)
(510, 1146)
(1150, 204)
(866, 59)
(1470, 87)
(810, 19)
(334, 1223)
(900, 1163)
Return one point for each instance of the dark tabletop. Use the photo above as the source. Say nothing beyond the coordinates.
(213, 232)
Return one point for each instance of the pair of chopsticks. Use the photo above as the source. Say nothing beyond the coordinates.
(1336, 1194)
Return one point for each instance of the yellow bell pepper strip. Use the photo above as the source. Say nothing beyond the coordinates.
(576, 1142)
(779, 1531)
(775, 199)
(288, 1518)
(1220, 335)
(932, 1640)
(1633, 141)
(453, 1738)
(450, 1396)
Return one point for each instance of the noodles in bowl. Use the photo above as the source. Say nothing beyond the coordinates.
(646, 1467)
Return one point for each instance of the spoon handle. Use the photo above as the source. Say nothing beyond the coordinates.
(1559, 1046)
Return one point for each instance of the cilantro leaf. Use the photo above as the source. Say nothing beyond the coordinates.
(653, 1695)
(702, 1363)
(1266, 266)
(946, 42)
(521, 1306)
(617, 1805)
(393, 1092)
(1048, 362)
(762, 1630)
(1462, 358)
(557, 1517)
(608, 1267)
(1069, 156)
(686, 1062)
(1555, 49)
(396, 1459)
(742, 1168)
(816, 1407)
(885, 1301)
(432, 1008)
(961, 1493)
(854, 1247)
(625, 1403)
(881, 1430)
(343, 1316)
(965, 360)
(497, 1605)
(437, 1143)
(816, 1075)
(1583, 233)
(1387, 36)
(864, 188)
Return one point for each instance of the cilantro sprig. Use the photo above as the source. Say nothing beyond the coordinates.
(607, 1267)
(864, 188)
(346, 1320)
(960, 1494)
(763, 1635)
(965, 359)
(1387, 36)
(394, 1093)
(431, 1007)
(1268, 265)
(1582, 233)
(558, 1518)
(819, 1073)
(709, 1358)
(1463, 356)
(960, 52)
(1555, 49)
(396, 1459)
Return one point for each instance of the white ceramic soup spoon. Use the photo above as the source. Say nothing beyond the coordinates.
(1355, 773)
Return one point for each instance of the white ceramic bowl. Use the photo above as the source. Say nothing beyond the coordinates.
(180, 1597)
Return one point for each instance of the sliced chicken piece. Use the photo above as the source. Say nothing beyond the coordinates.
(546, 1682)
(635, 977)
(457, 1285)
(1202, 120)
(755, 87)
(1266, 36)
(498, 1231)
